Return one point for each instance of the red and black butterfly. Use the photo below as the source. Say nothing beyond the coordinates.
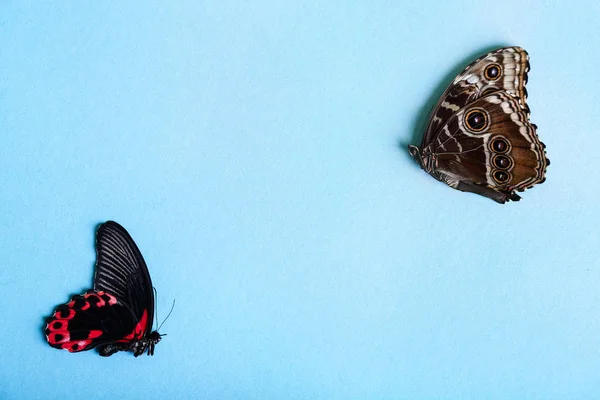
(117, 314)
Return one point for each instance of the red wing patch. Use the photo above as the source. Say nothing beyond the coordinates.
(138, 331)
(77, 325)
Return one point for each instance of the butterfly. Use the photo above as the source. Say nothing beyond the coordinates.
(116, 315)
(479, 138)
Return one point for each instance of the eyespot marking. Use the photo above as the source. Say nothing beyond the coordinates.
(499, 145)
(492, 72)
(501, 176)
(502, 162)
(476, 120)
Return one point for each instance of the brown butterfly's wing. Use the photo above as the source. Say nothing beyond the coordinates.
(500, 70)
(489, 147)
(485, 106)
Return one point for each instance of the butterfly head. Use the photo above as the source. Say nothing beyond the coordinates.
(146, 344)
(423, 156)
(155, 336)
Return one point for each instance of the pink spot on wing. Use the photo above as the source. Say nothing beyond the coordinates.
(94, 333)
(58, 325)
(63, 337)
(96, 296)
(76, 346)
(70, 315)
(111, 299)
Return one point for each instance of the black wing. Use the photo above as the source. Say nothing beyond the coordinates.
(122, 272)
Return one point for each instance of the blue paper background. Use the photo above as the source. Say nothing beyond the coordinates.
(256, 153)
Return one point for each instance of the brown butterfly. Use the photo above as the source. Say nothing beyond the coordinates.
(479, 138)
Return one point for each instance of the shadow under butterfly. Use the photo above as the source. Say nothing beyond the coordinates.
(117, 314)
(479, 138)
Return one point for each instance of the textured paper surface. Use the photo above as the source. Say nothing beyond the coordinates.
(256, 153)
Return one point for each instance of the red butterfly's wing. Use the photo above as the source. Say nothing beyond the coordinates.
(121, 271)
(118, 314)
(96, 318)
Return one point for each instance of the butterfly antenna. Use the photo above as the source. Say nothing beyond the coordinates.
(155, 302)
(168, 315)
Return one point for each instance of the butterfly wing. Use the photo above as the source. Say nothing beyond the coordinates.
(87, 321)
(489, 147)
(117, 314)
(122, 272)
(504, 69)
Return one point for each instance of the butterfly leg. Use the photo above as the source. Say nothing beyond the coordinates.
(151, 349)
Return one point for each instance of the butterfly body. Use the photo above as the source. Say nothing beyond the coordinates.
(479, 138)
(117, 314)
